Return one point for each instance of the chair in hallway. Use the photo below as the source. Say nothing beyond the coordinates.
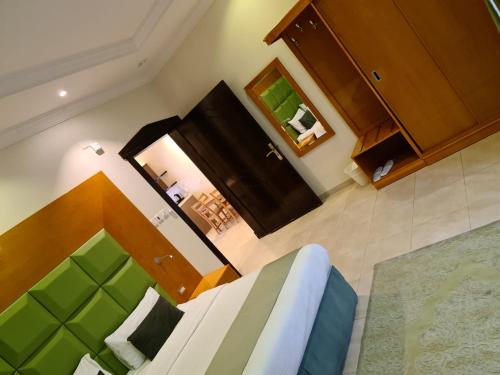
(209, 216)
(216, 207)
(225, 204)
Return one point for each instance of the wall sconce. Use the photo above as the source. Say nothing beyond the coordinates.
(96, 147)
(158, 260)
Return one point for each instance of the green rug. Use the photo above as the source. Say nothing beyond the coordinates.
(436, 311)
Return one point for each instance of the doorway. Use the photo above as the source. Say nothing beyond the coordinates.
(193, 193)
(246, 169)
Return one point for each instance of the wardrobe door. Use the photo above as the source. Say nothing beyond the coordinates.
(462, 38)
(391, 55)
(315, 46)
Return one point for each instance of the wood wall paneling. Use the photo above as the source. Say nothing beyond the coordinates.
(34, 247)
(38, 244)
(144, 242)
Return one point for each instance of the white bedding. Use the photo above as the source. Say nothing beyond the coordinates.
(317, 129)
(279, 350)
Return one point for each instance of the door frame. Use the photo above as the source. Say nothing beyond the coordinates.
(144, 138)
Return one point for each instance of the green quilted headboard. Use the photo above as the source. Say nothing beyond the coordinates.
(283, 102)
(70, 312)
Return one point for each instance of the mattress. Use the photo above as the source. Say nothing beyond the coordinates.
(226, 329)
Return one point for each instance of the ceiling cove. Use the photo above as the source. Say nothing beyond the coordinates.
(13, 82)
(29, 97)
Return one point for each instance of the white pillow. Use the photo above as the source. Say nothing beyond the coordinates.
(88, 366)
(117, 341)
(304, 107)
(296, 123)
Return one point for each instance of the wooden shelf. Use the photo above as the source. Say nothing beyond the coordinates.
(374, 137)
(404, 165)
(382, 144)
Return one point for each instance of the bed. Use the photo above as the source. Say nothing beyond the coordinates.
(293, 316)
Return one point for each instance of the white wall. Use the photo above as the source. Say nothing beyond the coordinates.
(39, 169)
(228, 45)
(165, 154)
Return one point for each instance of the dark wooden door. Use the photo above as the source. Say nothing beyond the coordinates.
(229, 146)
(389, 52)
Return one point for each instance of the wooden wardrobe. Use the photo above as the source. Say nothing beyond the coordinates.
(415, 80)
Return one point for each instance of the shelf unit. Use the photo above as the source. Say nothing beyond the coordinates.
(374, 137)
(381, 137)
(384, 143)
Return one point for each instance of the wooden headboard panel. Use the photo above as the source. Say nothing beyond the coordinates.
(34, 247)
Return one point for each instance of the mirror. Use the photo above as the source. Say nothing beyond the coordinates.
(288, 109)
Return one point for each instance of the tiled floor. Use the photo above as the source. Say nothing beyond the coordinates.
(361, 226)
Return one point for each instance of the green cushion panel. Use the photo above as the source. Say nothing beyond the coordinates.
(64, 290)
(100, 256)
(282, 114)
(100, 317)
(24, 326)
(291, 104)
(5, 368)
(286, 111)
(270, 100)
(129, 285)
(107, 359)
(294, 134)
(281, 89)
(165, 295)
(60, 356)
(294, 100)
(282, 100)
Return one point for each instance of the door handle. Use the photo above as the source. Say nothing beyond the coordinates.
(376, 75)
(273, 151)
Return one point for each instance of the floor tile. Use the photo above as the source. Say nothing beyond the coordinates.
(440, 228)
(365, 283)
(481, 154)
(440, 202)
(387, 248)
(354, 347)
(483, 195)
(362, 307)
(359, 194)
(400, 192)
(361, 227)
(350, 264)
(438, 175)
(391, 220)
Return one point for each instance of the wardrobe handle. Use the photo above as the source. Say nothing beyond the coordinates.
(376, 75)
(313, 24)
(301, 29)
(295, 41)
